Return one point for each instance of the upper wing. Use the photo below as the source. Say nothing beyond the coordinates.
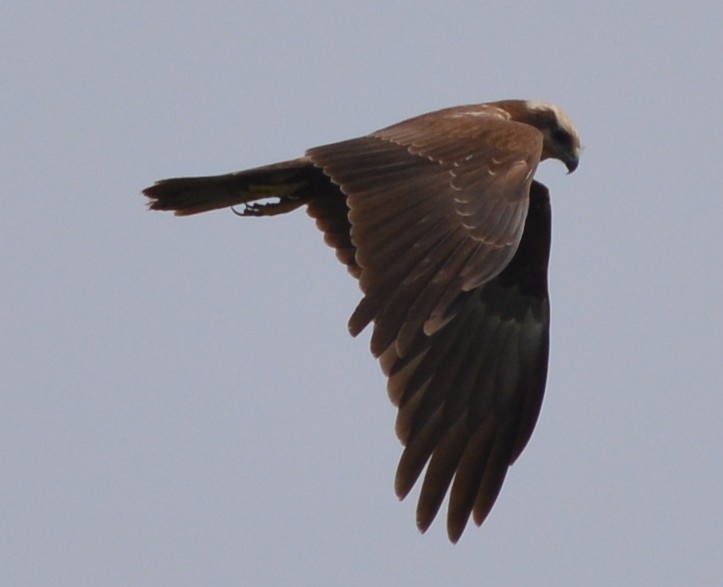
(469, 395)
(437, 205)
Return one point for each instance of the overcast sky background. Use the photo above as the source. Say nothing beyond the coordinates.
(181, 402)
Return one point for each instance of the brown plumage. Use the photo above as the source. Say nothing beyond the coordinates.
(440, 220)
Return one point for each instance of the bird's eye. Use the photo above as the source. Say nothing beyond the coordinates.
(561, 137)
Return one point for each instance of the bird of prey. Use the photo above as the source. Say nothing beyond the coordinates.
(440, 220)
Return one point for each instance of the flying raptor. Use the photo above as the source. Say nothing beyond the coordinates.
(440, 220)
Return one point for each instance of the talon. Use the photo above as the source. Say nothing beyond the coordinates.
(249, 210)
(270, 208)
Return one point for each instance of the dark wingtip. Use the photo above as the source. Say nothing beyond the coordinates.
(454, 532)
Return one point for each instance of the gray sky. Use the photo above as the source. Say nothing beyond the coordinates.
(181, 403)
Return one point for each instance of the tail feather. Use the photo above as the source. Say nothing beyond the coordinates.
(288, 182)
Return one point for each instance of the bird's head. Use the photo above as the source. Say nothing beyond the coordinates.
(560, 139)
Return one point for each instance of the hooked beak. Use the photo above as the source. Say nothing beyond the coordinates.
(572, 161)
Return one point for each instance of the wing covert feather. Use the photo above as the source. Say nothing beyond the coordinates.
(432, 215)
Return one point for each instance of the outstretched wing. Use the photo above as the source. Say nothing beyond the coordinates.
(437, 206)
(469, 395)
